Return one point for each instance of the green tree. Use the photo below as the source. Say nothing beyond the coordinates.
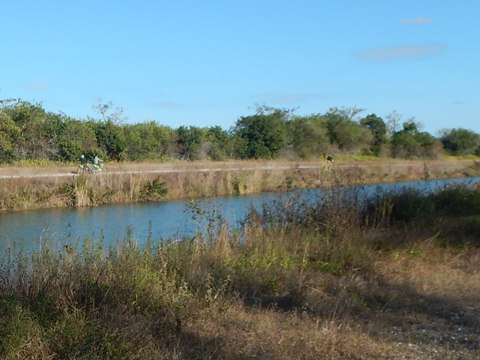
(345, 132)
(149, 141)
(75, 138)
(30, 118)
(404, 145)
(189, 142)
(410, 142)
(9, 135)
(219, 143)
(46, 135)
(110, 138)
(261, 135)
(108, 131)
(378, 128)
(460, 141)
(308, 136)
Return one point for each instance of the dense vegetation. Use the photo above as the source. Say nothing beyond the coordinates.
(333, 278)
(28, 132)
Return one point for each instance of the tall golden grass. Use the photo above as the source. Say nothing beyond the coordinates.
(42, 187)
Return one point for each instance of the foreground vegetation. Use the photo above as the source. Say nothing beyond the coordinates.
(395, 277)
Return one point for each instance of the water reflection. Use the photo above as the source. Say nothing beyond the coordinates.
(29, 230)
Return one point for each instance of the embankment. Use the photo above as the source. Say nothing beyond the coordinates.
(32, 187)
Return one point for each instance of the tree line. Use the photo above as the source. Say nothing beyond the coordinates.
(29, 132)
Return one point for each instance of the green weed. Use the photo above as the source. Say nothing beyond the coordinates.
(153, 190)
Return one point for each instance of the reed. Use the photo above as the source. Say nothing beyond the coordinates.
(124, 183)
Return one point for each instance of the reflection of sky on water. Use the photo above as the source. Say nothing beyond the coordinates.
(29, 230)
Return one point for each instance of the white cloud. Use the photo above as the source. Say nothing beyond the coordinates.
(416, 21)
(282, 98)
(400, 52)
(166, 104)
(37, 86)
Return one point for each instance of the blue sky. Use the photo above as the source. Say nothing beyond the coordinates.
(206, 63)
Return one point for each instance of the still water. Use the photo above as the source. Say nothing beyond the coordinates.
(29, 230)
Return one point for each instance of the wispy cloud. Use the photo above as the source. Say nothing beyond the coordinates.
(416, 21)
(37, 86)
(283, 98)
(166, 104)
(400, 52)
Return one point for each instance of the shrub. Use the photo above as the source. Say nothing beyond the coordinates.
(153, 190)
(458, 201)
(461, 232)
(403, 207)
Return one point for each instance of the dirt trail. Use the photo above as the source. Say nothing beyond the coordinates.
(147, 168)
(409, 168)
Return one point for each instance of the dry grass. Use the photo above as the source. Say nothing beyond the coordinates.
(429, 302)
(216, 299)
(48, 186)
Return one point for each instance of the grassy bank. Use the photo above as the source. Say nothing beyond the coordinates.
(333, 279)
(27, 187)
